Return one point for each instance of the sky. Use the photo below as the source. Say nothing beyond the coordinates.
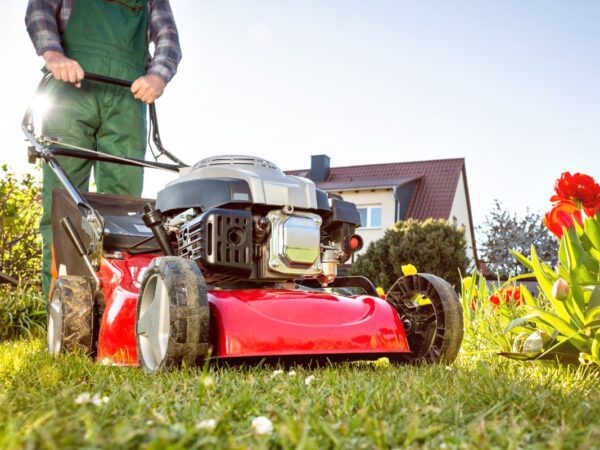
(511, 86)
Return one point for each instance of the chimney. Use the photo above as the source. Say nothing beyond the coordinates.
(319, 168)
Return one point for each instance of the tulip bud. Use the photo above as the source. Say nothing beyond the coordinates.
(561, 289)
(535, 342)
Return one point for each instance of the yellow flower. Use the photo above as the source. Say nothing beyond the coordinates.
(382, 362)
(468, 287)
(467, 283)
(380, 292)
(408, 269)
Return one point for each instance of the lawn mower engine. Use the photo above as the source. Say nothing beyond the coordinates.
(241, 217)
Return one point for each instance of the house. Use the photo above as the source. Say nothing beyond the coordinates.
(386, 193)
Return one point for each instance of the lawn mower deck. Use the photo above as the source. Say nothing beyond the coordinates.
(250, 323)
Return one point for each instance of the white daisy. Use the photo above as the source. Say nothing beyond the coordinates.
(309, 379)
(262, 425)
(206, 424)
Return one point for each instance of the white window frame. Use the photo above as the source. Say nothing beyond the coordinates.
(369, 209)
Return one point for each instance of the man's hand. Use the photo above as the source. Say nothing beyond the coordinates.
(148, 88)
(63, 68)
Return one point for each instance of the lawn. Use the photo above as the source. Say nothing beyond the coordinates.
(481, 401)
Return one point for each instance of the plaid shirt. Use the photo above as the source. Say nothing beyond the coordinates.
(47, 20)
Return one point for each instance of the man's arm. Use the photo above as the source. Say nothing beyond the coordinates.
(167, 53)
(42, 27)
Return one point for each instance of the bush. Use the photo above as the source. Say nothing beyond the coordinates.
(20, 242)
(433, 246)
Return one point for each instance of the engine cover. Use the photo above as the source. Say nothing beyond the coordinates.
(235, 179)
(220, 240)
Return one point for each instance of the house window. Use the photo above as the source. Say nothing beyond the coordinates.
(455, 221)
(370, 216)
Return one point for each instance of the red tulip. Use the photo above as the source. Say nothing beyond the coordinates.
(561, 216)
(508, 295)
(591, 211)
(578, 188)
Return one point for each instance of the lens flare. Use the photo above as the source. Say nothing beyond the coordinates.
(41, 105)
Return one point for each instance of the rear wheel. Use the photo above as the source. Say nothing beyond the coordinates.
(71, 316)
(432, 317)
(172, 320)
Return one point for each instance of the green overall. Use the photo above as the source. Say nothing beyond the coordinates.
(107, 37)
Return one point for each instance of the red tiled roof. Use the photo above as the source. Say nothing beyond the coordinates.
(434, 194)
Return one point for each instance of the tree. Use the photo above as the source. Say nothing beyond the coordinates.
(432, 246)
(503, 231)
(20, 212)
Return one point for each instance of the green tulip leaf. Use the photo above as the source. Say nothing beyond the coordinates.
(575, 305)
(523, 276)
(528, 298)
(545, 284)
(519, 321)
(522, 259)
(566, 358)
(595, 253)
(563, 255)
(577, 229)
(593, 307)
(592, 231)
(577, 254)
(581, 275)
(531, 356)
(596, 345)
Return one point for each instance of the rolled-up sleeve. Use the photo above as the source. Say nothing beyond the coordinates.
(42, 26)
(163, 32)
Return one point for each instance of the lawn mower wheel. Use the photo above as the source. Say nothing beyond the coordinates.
(172, 319)
(432, 317)
(70, 316)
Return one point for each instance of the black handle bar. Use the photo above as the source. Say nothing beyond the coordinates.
(108, 80)
(154, 132)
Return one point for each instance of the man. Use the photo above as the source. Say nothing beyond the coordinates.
(111, 38)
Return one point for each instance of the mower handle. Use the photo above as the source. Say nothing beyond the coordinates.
(154, 131)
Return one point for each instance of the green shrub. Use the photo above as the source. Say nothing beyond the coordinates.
(20, 242)
(22, 308)
(432, 246)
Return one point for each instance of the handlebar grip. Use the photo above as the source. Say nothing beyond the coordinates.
(108, 80)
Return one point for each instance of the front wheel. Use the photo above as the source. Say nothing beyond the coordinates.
(71, 316)
(172, 320)
(432, 317)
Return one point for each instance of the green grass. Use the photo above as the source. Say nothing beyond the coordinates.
(482, 401)
(22, 313)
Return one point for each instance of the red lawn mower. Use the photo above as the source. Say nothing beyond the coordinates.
(233, 261)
